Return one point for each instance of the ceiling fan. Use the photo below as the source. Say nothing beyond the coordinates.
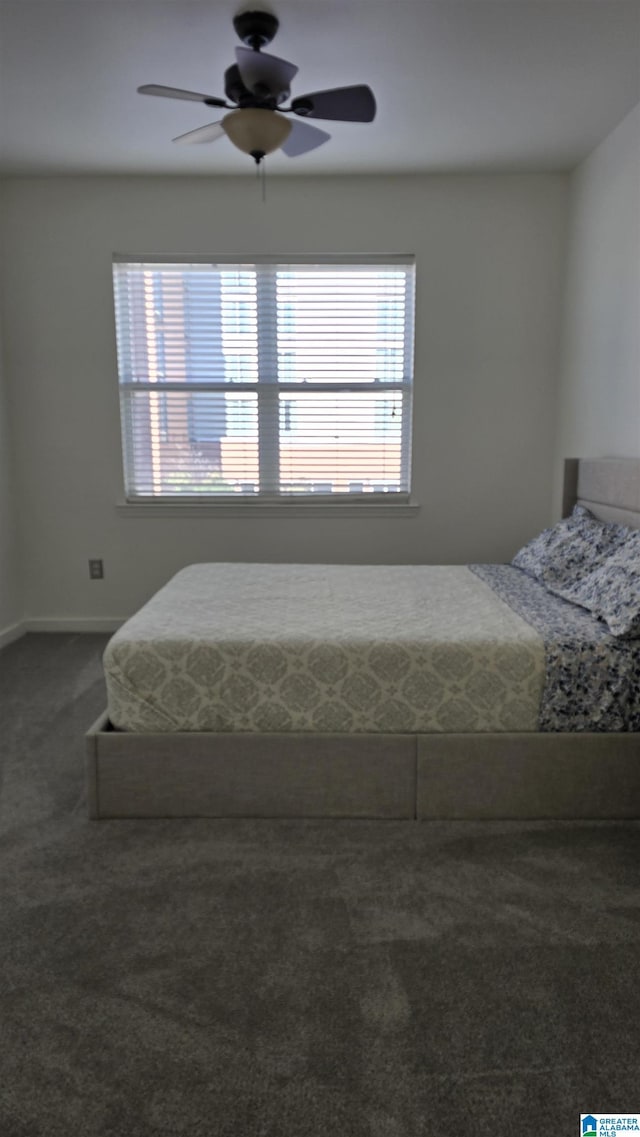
(256, 86)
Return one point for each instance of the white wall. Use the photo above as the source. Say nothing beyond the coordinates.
(599, 412)
(10, 592)
(490, 260)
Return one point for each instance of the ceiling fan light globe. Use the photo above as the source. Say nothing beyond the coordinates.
(253, 129)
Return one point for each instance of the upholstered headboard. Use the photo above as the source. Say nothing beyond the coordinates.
(609, 487)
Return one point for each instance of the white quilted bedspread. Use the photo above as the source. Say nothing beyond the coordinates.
(340, 648)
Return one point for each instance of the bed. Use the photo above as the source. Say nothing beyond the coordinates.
(376, 691)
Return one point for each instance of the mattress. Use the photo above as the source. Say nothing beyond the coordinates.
(326, 648)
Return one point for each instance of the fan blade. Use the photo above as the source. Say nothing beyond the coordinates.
(303, 138)
(178, 93)
(265, 74)
(209, 133)
(343, 104)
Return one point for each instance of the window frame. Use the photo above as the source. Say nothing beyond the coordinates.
(266, 498)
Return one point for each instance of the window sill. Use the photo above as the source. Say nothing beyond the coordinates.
(250, 508)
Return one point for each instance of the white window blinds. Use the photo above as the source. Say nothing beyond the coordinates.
(265, 379)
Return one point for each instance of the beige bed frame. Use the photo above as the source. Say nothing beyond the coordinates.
(436, 776)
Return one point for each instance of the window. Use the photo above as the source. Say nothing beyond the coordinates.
(277, 380)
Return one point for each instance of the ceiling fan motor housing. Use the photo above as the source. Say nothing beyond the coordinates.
(261, 96)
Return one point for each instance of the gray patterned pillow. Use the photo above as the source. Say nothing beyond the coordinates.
(612, 591)
(558, 557)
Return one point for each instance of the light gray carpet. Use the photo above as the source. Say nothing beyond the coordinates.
(296, 979)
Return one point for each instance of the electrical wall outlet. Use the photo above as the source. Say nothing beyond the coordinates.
(96, 569)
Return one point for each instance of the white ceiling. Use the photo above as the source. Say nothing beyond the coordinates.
(460, 84)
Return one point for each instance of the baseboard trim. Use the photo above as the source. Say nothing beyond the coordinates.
(74, 624)
(13, 632)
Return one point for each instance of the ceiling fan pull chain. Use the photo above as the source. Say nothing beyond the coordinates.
(263, 179)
